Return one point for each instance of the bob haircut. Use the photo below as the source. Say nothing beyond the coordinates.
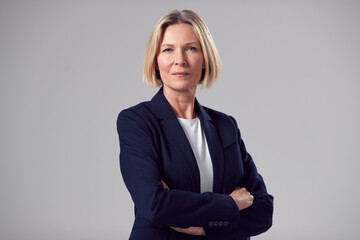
(212, 60)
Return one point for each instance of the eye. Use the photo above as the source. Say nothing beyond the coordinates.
(167, 50)
(192, 49)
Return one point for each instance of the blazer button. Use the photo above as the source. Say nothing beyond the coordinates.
(211, 224)
(226, 224)
(216, 224)
(221, 223)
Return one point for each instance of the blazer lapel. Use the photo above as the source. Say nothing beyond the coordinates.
(176, 136)
(215, 147)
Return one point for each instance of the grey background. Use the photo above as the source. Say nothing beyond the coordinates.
(290, 77)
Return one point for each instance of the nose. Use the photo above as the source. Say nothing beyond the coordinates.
(180, 58)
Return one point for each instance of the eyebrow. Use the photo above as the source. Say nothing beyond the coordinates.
(171, 45)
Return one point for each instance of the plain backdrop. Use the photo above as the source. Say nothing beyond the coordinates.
(291, 78)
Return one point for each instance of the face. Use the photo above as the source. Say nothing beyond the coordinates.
(180, 58)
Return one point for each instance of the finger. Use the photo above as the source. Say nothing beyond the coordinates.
(164, 185)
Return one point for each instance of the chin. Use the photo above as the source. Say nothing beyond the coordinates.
(183, 87)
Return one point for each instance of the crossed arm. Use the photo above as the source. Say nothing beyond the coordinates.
(159, 205)
(242, 198)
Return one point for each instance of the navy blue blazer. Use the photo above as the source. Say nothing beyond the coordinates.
(154, 147)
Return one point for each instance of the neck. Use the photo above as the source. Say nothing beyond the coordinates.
(181, 102)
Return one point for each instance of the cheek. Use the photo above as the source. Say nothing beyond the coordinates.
(163, 63)
(198, 62)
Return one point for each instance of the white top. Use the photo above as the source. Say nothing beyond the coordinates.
(197, 140)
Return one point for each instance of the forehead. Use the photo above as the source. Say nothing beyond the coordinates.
(181, 32)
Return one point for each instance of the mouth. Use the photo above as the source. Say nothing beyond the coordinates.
(180, 74)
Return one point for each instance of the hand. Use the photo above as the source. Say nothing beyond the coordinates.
(199, 231)
(242, 198)
(164, 185)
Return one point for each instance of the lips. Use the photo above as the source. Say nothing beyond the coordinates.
(180, 74)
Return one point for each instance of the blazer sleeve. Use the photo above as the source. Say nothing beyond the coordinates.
(258, 217)
(139, 164)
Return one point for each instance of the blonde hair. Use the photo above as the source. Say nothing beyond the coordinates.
(212, 60)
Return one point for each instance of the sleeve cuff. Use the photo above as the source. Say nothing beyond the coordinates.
(224, 219)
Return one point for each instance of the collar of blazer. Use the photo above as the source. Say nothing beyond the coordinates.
(162, 110)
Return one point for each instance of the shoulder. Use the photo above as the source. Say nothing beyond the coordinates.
(137, 113)
(220, 118)
(225, 124)
(136, 116)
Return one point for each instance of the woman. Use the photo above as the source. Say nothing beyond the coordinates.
(185, 165)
